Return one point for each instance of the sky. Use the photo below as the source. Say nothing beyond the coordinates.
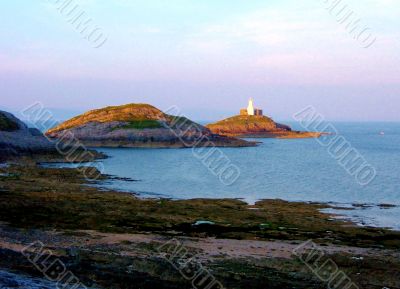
(206, 57)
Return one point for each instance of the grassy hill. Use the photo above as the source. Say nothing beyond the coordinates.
(253, 126)
(137, 115)
(243, 124)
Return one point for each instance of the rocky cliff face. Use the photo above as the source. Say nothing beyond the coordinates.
(138, 125)
(256, 126)
(16, 138)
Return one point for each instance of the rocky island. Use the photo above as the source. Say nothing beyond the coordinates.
(251, 123)
(139, 125)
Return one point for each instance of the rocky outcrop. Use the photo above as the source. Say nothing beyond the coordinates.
(16, 138)
(138, 125)
(254, 126)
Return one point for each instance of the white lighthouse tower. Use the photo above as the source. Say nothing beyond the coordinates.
(250, 107)
(250, 110)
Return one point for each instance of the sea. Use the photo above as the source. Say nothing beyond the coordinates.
(10, 280)
(288, 169)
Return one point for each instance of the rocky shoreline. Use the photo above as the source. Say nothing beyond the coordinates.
(112, 240)
(16, 139)
(136, 260)
(173, 143)
(281, 135)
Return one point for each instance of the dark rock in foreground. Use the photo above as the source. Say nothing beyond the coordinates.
(139, 125)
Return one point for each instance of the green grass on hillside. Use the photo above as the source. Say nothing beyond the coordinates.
(142, 124)
(179, 121)
(244, 120)
(7, 124)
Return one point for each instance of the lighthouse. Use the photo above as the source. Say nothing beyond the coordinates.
(250, 107)
(250, 110)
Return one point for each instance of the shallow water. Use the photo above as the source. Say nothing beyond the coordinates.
(9, 280)
(294, 170)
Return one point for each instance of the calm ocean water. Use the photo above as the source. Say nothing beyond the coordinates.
(294, 170)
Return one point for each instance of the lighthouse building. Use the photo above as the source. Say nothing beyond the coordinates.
(250, 110)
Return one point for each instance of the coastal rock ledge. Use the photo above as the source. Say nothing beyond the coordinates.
(17, 139)
(139, 125)
(256, 126)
